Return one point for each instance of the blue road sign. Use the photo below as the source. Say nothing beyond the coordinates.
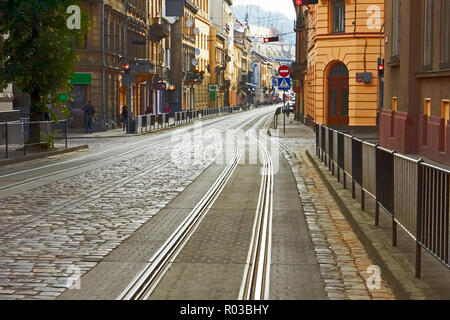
(284, 84)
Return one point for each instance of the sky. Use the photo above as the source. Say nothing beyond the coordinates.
(284, 6)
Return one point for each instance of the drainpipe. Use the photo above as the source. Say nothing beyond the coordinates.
(102, 4)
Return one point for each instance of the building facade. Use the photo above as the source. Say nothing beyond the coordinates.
(262, 75)
(122, 32)
(217, 68)
(241, 89)
(203, 42)
(183, 73)
(223, 21)
(340, 80)
(415, 111)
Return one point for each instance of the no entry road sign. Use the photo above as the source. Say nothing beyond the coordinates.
(284, 71)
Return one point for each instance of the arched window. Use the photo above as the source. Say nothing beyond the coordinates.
(339, 70)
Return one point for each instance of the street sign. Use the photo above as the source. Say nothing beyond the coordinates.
(213, 88)
(284, 71)
(284, 84)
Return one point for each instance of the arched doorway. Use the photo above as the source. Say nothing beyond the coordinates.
(338, 95)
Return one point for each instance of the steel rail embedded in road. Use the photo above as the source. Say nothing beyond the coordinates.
(44, 176)
(144, 284)
(255, 284)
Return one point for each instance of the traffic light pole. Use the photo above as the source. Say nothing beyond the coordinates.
(128, 108)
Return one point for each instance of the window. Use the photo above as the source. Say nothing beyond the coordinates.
(338, 16)
(445, 111)
(394, 104)
(396, 28)
(427, 113)
(445, 54)
(445, 115)
(428, 35)
(427, 107)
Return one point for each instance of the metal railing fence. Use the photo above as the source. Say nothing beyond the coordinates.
(15, 135)
(415, 194)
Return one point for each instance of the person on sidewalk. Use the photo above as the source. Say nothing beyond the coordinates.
(124, 117)
(167, 108)
(89, 114)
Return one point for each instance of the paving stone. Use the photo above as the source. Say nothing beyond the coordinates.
(79, 220)
(342, 258)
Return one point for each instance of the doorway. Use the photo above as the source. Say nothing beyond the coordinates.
(338, 95)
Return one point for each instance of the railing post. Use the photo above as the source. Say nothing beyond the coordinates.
(24, 138)
(419, 219)
(6, 136)
(344, 179)
(363, 207)
(66, 129)
(353, 188)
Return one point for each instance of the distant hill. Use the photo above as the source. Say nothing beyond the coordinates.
(267, 19)
(265, 23)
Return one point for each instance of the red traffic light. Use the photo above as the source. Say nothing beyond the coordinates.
(381, 67)
(126, 67)
(271, 39)
(305, 2)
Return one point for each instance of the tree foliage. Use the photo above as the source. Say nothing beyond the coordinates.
(38, 52)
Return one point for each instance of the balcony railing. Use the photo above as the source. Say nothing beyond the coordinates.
(158, 31)
(192, 76)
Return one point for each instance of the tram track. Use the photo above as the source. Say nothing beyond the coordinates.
(94, 163)
(84, 198)
(147, 280)
(255, 284)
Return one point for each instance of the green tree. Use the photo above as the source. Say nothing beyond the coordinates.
(38, 52)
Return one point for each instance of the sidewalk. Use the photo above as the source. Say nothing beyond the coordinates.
(397, 264)
(293, 129)
(115, 133)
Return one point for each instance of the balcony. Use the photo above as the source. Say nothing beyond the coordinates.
(158, 31)
(192, 76)
(245, 78)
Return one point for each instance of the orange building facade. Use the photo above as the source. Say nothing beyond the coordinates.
(342, 43)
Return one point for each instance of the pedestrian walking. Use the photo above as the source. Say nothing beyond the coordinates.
(89, 116)
(166, 108)
(124, 117)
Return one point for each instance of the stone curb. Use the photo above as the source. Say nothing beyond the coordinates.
(403, 286)
(42, 155)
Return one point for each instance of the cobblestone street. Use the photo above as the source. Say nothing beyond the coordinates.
(67, 227)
